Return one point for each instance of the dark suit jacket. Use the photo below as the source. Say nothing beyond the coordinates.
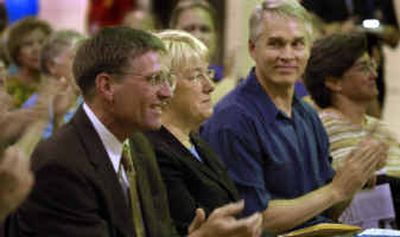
(77, 192)
(190, 183)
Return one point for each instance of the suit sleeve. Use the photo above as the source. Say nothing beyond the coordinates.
(61, 204)
(179, 197)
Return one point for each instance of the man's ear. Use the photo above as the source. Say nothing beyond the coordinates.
(333, 84)
(252, 48)
(104, 86)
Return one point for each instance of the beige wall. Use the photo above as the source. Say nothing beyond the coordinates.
(391, 113)
(236, 32)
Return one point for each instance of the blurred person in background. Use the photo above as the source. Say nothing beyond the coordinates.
(56, 60)
(341, 78)
(24, 40)
(375, 17)
(199, 18)
(14, 122)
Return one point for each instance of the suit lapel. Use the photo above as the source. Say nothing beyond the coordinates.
(118, 209)
(210, 168)
(215, 164)
(152, 193)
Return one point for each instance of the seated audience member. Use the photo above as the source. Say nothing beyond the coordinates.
(89, 181)
(56, 59)
(341, 78)
(273, 144)
(193, 175)
(15, 122)
(344, 16)
(199, 18)
(23, 43)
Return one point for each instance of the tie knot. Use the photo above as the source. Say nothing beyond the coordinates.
(126, 158)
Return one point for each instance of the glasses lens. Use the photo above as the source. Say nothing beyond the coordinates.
(211, 73)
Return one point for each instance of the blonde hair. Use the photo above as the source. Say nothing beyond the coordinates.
(182, 49)
(283, 8)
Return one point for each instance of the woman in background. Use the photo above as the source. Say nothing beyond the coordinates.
(23, 44)
(56, 60)
(341, 79)
(199, 18)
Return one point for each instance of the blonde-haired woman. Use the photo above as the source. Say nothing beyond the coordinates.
(193, 174)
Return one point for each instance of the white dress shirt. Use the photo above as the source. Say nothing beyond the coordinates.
(112, 145)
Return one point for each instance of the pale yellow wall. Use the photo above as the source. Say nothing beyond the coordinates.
(391, 113)
(236, 31)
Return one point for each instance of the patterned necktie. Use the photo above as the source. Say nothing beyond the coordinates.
(127, 164)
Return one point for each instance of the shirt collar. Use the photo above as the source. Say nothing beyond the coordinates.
(111, 143)
(262, 101)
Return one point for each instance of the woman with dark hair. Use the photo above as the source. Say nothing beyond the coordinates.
(341, 78)
(351, 16)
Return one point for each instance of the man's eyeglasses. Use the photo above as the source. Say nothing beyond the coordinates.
(200, 75)
(159, 79)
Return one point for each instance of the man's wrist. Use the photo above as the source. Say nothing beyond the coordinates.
(335, 195)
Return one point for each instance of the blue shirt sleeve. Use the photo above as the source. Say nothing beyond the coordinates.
(229, 134)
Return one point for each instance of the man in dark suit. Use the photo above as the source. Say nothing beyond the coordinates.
(80, 187)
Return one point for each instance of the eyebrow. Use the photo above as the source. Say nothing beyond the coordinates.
(278, 38)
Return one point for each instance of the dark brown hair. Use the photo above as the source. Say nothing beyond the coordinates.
(110, 51)
(331, 56)
(19, 31)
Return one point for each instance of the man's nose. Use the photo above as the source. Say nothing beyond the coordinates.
(165, 91)
(287, 52)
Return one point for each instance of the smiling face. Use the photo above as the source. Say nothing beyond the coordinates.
(191, 103)
(359, 81)
(135, 102)
(281, 50)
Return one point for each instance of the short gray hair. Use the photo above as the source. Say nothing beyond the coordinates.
(56, 44)
(285, 8)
